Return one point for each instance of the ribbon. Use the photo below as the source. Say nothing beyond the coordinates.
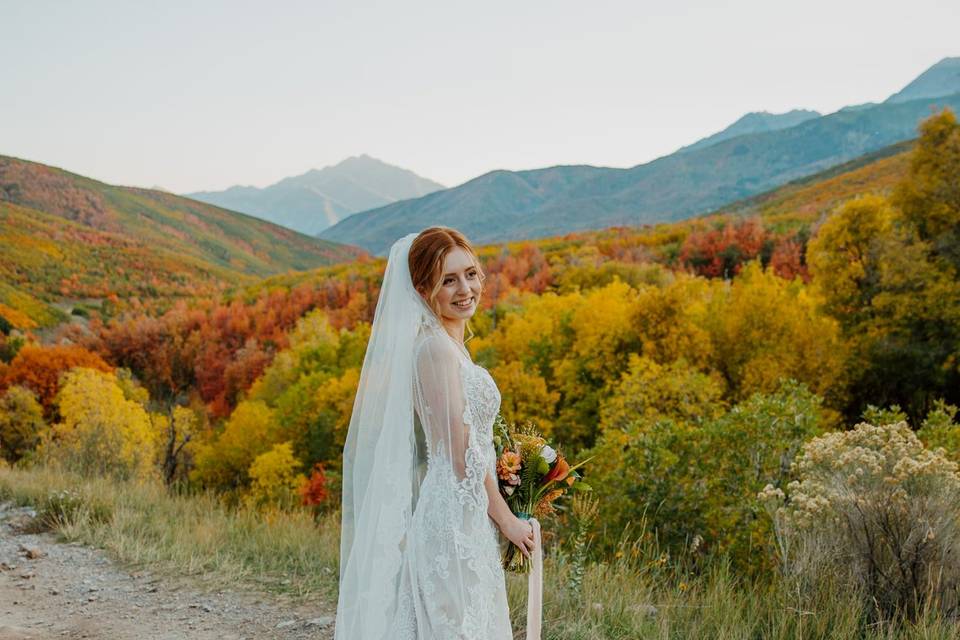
(535, 586)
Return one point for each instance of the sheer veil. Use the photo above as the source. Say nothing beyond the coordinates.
(382, 460)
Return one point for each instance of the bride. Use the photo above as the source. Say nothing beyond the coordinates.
(419, 557)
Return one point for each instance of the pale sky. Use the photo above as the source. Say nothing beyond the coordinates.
(204, 95)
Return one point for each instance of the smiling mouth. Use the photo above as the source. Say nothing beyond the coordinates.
(463, 304)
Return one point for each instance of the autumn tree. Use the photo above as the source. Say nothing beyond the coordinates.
(764, 328)
(888, 271)
(39, 368)
(223, 461)
(274, 478)
(650, 391)
(21, 421)
(525, 396)
(722, 252)
(929, 197)
(101, 432)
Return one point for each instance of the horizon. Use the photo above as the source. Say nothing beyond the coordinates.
(233, 104)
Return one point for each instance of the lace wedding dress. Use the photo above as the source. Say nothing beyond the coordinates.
(452, 583)
(419, 556)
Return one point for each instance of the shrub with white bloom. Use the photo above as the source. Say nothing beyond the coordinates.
(875, 508)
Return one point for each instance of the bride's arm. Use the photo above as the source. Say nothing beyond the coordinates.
(514, 529)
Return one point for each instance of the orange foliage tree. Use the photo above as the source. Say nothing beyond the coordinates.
(38, 368)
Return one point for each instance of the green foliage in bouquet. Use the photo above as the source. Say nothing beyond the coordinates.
(532, 476)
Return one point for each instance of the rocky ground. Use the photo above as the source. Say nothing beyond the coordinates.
(59, 590)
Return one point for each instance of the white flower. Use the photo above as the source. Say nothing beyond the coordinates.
(548, 454)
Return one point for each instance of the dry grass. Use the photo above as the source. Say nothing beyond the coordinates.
(637, 594)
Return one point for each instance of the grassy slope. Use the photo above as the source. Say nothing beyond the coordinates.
(55, 225)
(807, 199)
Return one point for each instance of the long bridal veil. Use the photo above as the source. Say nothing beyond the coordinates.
(382, 461)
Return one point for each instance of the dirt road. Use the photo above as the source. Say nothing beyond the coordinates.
(54, 590)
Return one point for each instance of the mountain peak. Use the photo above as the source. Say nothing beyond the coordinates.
(362, 160)
(312, 201)
(757, 122)
(942, 79)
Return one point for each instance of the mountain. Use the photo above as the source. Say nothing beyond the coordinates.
(756, 122)
(504, 205)
(66, 236)
(313, 201)
(941, 79)
(757, 153)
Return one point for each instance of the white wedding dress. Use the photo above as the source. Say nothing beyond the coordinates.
(452, 584)
(419, 556)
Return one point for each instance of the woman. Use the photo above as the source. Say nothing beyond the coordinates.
(419, 558)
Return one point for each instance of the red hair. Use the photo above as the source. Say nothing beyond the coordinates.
(426, 256)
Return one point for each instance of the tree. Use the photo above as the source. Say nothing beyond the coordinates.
(846, 255)
(21, 421)
(765, 328)
(224, 461)
(273, 477)
(101, 432)
(525, 396)
(39, 367)
(929, 196)
(888, 271)
(650, 391)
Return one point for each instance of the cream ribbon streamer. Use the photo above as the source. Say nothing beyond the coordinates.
(535, 586)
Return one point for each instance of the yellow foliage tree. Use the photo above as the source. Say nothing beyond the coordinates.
(765, 328)
(21, 421)
(847, 252)
(669, 321)
(101, 432)
(525, 396)
(224, 461)
(317, 418)
(535, 333)
(649, 391)
(273, 478)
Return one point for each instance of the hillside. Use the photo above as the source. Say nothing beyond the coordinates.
(68, 237)
(313, 201)
(804, 201)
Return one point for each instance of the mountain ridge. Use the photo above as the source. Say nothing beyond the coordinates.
(314, 200)
(501, 205)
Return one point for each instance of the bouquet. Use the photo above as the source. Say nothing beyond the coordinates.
(532, 475)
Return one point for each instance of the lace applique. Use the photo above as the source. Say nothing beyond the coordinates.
(452, 584)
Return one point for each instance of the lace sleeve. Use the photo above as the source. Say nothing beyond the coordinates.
(441, 403)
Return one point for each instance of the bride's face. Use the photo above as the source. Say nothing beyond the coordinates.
(460, 286)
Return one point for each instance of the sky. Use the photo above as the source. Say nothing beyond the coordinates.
(202, 95)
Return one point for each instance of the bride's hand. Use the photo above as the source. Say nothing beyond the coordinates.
(520, 533)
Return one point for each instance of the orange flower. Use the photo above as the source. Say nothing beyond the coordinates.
(559, 471)
(545, 506)
(508, 464)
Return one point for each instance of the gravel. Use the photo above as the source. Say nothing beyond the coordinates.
(50, 589)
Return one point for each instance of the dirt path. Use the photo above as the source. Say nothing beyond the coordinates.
(55, 590)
